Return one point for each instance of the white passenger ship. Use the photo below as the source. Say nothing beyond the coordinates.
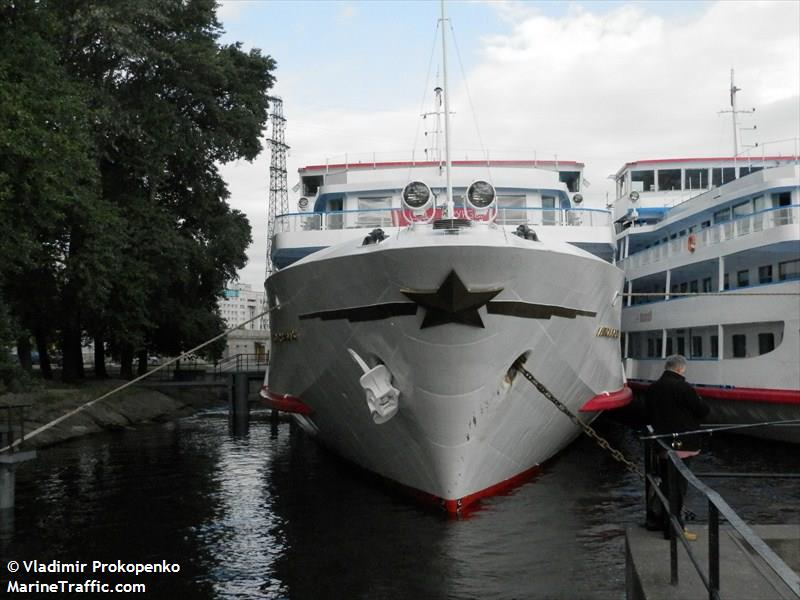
(397, 328)
(711, 252)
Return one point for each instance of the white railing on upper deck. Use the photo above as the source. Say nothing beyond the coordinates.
(547, 160)
(741, 226)
(393, 217)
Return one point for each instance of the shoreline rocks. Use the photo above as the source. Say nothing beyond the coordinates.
(131, 406)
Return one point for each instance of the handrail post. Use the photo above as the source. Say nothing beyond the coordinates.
(672, 478)
(713, 551)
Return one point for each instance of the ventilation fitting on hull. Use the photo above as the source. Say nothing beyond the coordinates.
(382, 397)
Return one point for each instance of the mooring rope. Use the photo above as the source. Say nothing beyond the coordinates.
(127, 384)
(720, 427)
(729, 294)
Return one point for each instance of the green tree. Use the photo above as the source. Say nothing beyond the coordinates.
(114, 223)
(48, 173)
(178, 103)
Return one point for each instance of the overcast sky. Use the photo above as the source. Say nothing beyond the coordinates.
(603, 83)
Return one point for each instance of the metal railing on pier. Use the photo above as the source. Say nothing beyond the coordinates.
(655, 450)
(239, 363)
(12, 427)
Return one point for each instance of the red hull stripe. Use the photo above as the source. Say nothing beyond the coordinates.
(770, 396)
(608, 400)
(460, 507)
(284, 402)
(453, 506)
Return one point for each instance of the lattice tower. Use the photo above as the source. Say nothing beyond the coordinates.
(278, 192)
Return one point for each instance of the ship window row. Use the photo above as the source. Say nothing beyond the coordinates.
(645, 180)
(742, 340)
(741, 208)
(762, 275)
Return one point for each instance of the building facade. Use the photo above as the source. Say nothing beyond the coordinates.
(239, 304)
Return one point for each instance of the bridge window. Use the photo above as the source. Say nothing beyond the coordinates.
(643, 181)
(375, 211)
(781, 199)
(697, 346)
(739, 346)
(512, 210)
(695, 179)
(548, 212)
(765, 274)
(669, 179)
(572, 179)
(743, 278)
(707, 284)
(766, 342)
(789, 269)
(311, 184)
(714, 346)
(722, 215)
(743, 208)
(721, 176)
(693, 286)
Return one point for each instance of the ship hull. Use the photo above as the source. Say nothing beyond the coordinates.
(467, 422)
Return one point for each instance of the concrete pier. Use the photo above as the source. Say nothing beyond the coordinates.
(743, 575)
(8, 467)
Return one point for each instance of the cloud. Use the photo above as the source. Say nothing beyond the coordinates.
(603, 88)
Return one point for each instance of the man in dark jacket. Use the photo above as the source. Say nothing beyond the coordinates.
(672, 407)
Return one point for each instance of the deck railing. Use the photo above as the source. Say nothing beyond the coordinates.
(722, 232)
(717, 507)
(394, 217)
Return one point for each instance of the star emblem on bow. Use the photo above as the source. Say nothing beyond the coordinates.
(451, 303)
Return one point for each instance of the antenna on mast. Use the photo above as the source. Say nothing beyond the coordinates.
(434, 151)
(733, 112)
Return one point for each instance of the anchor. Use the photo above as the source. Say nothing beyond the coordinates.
(382, 397)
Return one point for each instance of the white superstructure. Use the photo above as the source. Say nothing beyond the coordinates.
(711, 253)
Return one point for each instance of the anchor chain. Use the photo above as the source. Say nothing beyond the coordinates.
(587, 429)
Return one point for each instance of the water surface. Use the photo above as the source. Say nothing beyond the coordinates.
(270, 514)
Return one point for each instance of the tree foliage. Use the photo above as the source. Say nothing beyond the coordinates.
(114, 222)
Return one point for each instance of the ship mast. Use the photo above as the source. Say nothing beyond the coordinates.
(734, 89)
(446, 93)
(734, 112)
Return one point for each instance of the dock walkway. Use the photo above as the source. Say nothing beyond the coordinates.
(743, 575)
